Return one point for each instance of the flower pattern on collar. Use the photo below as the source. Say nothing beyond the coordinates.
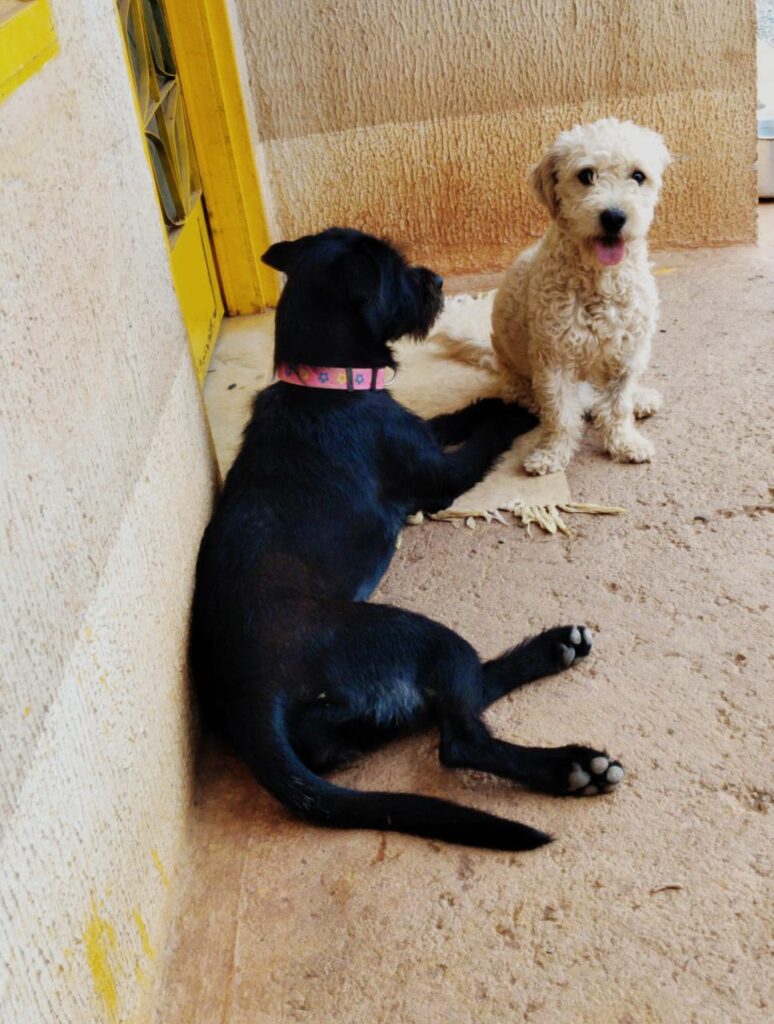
(335, 378)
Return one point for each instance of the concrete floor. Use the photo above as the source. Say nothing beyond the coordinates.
(653, 907)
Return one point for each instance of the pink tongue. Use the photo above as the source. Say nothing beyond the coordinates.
(609, 253)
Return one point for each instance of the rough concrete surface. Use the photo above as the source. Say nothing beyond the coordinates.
(653, 905)
(420, 120)
(106, 480)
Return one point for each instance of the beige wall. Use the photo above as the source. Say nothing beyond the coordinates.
(419, 118)
(105, 484)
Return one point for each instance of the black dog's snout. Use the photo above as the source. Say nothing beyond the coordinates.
(612, 220)
(437, 280)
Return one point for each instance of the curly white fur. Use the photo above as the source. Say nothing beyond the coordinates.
(573, 321)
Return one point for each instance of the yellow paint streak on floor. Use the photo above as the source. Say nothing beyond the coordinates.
(142, 928)
(160, 868)
(100, 939)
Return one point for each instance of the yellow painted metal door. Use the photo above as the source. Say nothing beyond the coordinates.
(170, 150)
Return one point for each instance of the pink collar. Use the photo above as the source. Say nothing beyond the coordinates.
(335, 378)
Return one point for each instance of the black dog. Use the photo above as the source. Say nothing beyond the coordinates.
(290, 662)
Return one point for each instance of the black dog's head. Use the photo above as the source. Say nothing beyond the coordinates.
(347, 296)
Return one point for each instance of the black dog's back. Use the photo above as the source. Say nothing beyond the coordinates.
(289, 662)
(306, 489)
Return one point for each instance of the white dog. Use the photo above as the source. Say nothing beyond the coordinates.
(579, 307)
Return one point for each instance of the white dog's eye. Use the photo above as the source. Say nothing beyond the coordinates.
(639, 177)
(586, 176)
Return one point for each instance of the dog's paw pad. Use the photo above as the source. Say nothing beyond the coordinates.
(567, 654)
(597, 775)
(577, 779)
(574, 643)
(614, 774)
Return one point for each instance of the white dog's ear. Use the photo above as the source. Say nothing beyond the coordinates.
(666, 156)
(542, 178)
(659, 151)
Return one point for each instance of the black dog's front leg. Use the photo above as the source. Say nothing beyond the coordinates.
(456, 427)
(438, 477)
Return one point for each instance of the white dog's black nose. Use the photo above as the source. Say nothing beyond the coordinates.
(612, 220)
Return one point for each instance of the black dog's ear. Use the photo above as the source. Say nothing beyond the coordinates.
(283, 255)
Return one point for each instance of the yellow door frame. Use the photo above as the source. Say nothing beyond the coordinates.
(27, 41)
(206, 63)
(196, 284)
(161, 115)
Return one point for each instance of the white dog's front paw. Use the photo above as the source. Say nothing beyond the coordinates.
(631, 447)
(647, 401)
(541, 461)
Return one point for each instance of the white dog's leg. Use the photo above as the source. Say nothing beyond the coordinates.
(561, 421)
(614, 415)
(588, 395)
(518, 389)
(646, 402)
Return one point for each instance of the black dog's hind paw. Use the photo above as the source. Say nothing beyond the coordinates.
(572, 642)
(575, 771)
(593, 773)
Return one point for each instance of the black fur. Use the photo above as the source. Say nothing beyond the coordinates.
(290, 662)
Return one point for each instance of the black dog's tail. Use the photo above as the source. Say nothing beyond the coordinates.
(279, 769)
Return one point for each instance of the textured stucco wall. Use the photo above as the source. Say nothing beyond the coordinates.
(105, 484)
(419, 118)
